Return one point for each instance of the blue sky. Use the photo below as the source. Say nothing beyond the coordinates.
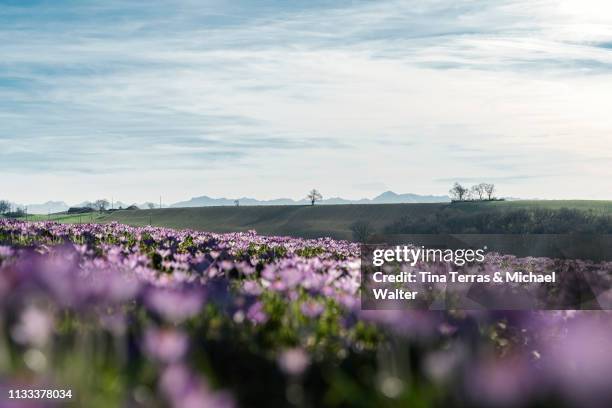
(268, 99)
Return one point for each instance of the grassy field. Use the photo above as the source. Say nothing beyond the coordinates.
(308, 221)
(598, 206)
(305, 221)
(94, 217)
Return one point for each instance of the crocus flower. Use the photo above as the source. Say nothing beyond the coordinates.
(34, 327)
(184, 390)
(312, 308)
(293, 361)
(256, 313)
(175, 305)
(166, 345)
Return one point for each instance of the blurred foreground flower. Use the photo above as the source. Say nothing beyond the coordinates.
(34, 328)
(294, 361)
(166, 345)
(184, 390)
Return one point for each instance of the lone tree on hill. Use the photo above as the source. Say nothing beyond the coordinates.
(314, 196)
(489, 189)
(458, 192)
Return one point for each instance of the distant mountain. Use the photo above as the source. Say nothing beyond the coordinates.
(60, 206)
(48, 207)
(388, 197)
(205, 201)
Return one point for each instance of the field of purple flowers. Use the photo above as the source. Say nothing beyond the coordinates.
(148, 317)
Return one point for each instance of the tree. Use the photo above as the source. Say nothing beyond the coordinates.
(470, 194)
(17, 213)
(5, 206)
(314, 196)
(237, 203)
(362, 230)
(100, 205)
(150, 206)
(478, 190)
(458, 192)
(489, 189)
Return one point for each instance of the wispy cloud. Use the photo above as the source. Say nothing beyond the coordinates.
(122, 96)
(506, 179)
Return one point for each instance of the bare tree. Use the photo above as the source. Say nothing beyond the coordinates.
(18, 212)
(469, 195)
(150, 206)
(478, 190)
(5, 206)
(237, 203)
(458, 192)
(100, 205)
(314, 196)
(489, 189)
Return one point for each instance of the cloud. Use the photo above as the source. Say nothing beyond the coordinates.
(371, 186)
(316, 93)
(507, 179)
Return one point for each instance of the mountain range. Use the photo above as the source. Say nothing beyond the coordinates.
(388, 197)
(51, 207)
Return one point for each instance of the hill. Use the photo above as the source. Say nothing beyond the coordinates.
(330, 220)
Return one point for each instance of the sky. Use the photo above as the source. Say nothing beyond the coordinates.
(268, 99)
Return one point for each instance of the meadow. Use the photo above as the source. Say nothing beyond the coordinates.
(92, 217)
(310, 222)
(155, 317)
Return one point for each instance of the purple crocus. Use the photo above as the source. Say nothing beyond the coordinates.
(184, 390)
(312, 308)
(174, 304)
(256, 313)
(166, 345)
(293, 361)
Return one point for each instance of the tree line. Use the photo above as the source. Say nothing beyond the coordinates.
(517, 221)
(7, 210)
(478, 192)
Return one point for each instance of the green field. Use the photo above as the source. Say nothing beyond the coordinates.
(317, 221)
(93, 217)
(302, 221)
(307, 221)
